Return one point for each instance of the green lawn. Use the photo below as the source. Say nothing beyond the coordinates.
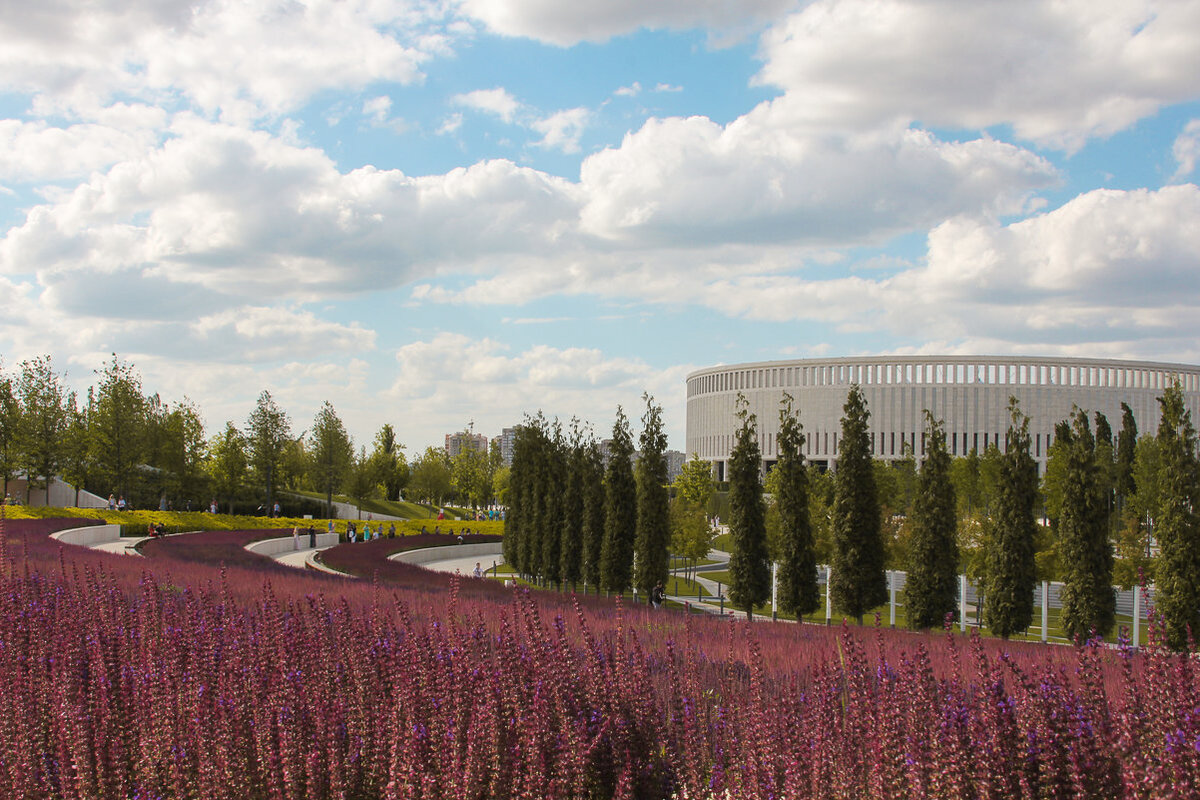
(392, 508)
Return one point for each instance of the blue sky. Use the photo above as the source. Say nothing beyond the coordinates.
(433, 213)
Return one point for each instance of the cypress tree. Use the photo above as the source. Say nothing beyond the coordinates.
(749, 562)
(571, 547)
(593, 511)
(1126, 454)
(1177, 578)
(857, 584)
(931, 590)
(518, 501)
(1011, 557)
(550, 520)
(1088, 600)
(620, 510)
(798, 590)
(653, 539)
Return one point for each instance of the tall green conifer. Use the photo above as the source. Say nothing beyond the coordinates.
(571, 524)
(798, 590)
(653, 540)
(620, 513)
(857, 582)
(1089, 603)
(749, 563)
(1177, 578)
(1011, 558)
(931, 588)
(593, 511)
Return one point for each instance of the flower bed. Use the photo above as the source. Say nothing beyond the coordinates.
(121, 681)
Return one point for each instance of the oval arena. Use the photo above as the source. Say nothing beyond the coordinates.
(970, 394)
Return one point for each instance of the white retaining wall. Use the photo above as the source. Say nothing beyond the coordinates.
(90, 536)
(427, 554)
(284, 544)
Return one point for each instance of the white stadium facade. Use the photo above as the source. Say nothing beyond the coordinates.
(970, 394)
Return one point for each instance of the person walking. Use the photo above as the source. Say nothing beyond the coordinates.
(312, 535)
(295, 538)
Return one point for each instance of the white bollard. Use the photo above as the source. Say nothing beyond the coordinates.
(892, 597)
(1045, 611)
(828, 596)
(774, 586)
(962, 603)
(1137, 615)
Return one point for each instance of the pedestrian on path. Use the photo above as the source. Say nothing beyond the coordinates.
(295, 538)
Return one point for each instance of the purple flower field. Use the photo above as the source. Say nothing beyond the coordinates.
(174, 677)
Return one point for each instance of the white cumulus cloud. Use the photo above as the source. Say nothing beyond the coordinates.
(1058, 71)
(495, 101)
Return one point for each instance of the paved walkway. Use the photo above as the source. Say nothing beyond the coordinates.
(464, 565)
(125, 546)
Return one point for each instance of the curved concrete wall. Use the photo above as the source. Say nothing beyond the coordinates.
(89, 536)
(284, 544)
(970, 394)
(427, 554)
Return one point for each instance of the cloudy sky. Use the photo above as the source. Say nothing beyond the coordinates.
(437, 212)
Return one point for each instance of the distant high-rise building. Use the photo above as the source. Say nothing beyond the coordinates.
(457, 442)
(675, 461)
(506, 439)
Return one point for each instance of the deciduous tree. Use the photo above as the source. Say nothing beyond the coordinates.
(268, 431)
(330, 452)
(44, 412)
(227, 463)
(119, 425)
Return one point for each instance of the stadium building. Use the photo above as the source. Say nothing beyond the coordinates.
(970, 394)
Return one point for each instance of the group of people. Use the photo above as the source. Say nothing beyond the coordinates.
(117, 504)
(367, 533)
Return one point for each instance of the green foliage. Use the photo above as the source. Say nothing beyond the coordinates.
(10, 420)
(652, 540)
(470, 474)
(857, 582)
(390, 463)
(362, 481)
(620, 510)
(695, 483)
(43, 422)
(1177, 578)
(1011, 560)
(1089, 602)
(749, 565)
(331, 454)
(227, 463)
(550, 507)
(268, 431)
(594, 501)
(691, 532)
(1125, 455)
(931, 590)
(118, 425)
(798, 589)
(571, 545)
(429, 479)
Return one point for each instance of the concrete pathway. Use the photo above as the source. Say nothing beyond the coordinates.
(464, 566)
(126, 546)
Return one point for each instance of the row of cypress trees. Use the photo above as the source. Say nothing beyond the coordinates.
(857, 580)
(573, 519)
